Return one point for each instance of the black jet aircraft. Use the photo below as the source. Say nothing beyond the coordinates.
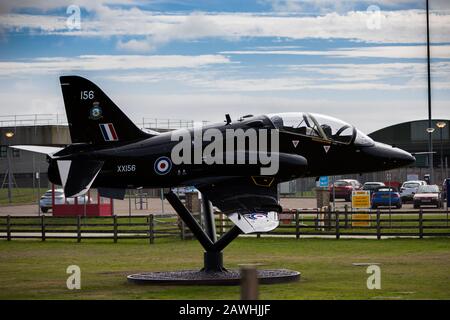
(110, 153)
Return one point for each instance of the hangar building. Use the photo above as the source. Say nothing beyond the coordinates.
(412, 136)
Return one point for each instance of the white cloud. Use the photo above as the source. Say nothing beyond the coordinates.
(402, 52)
(403, 26)
(135, 45)
(107, 62)
(297, 78)
(45, 5)
(346, 5)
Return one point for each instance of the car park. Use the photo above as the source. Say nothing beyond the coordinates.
(409, 188)
(343, 189)
(181, 191)
(372, 186)
(386, 196)
(428, 195)
(45, 203)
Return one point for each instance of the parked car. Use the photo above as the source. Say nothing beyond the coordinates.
(409, 188)
(386, 196)
(181, 191)
(46, 200)
(373, 186)
(343, 188)
(428, 195)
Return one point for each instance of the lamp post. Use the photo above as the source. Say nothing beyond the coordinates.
(430, 129)
(9, 135)
(441, 125)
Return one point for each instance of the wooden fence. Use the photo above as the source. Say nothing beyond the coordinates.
(372, 224)
(295, 224)
(116, 227)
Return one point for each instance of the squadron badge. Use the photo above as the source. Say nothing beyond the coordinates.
(96, 112)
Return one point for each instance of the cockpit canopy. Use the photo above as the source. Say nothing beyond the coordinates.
(319, 126)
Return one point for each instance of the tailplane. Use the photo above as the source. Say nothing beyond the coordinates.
(93, 117)
(50, 151)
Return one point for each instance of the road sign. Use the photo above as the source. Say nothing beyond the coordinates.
(323, 181)
(361, 199)
(365, 217)
(412, 177)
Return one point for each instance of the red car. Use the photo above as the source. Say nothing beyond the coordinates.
(343, 189)
(428, 195)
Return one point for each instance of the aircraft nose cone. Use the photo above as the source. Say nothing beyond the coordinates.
(391, 157)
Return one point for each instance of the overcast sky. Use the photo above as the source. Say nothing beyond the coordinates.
(361, 61)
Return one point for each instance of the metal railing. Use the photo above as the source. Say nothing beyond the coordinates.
(19, 120)
(40, 119)
(155, 123)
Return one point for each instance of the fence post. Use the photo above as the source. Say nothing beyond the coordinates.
(316, 220)
(78, 229)
(42, 228)
(378, 225)
(182, 230)
(8, 227)
(249, 283)
(222, 221)
(346, 216)
(336, 215)
(115, 228)
(328, 218)
(151, 230)
(421, 224)
(297, 225)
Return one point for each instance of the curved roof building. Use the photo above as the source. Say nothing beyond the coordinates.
(413, 137)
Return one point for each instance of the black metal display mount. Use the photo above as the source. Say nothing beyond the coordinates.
(213, 271)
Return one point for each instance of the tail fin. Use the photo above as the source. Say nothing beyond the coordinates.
(93, 117)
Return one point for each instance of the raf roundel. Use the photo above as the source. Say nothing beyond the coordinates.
(163, 165)
(256, 216)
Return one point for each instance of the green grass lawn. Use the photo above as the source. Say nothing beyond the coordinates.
(411, 268)
(19, 195)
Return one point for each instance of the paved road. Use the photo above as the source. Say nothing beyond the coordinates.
(122, 207)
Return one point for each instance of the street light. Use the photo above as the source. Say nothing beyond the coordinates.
(430, 137)
(441, 125)
(430, 131)
(9, 135)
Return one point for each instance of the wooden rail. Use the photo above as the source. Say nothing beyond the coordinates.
(296, 223)
(81, 228)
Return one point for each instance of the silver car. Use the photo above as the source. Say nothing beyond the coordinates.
(46, 200)
(409, 189)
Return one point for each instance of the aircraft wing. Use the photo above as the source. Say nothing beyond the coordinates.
(251, 203)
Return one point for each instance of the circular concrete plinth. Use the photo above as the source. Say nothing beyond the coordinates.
(195, 277)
